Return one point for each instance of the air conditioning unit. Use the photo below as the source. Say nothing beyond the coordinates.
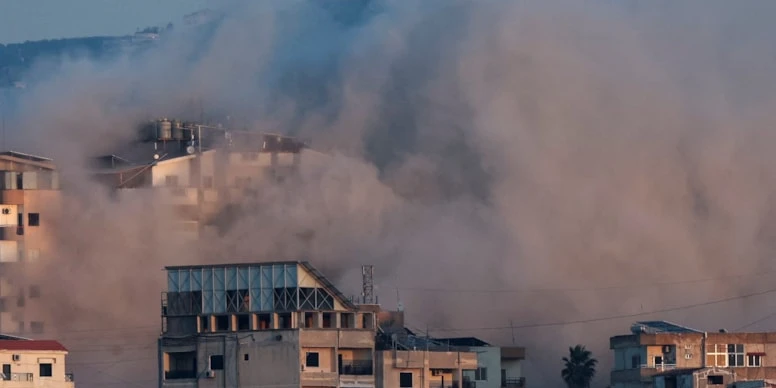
(688, 356)
(6, 210)
(16, 357)
(666, 349)
(211, 374)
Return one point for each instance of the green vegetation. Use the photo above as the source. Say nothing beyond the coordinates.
(579, 368)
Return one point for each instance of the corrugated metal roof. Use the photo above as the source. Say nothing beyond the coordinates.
(33, 345)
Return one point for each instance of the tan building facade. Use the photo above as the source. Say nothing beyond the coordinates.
(29, 203)
(658, 350)
(34, 363)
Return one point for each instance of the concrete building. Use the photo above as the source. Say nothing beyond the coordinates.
(497, 367)
(29, 202)
(33, 363)
(200, 170)
(263, 325)
(659, 353)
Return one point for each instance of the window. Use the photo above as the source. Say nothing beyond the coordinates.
(312, 359)
(217, 362)
(33, 255)
(171, 180)
(246, 357)
(481, 374)
(36, 327)
(715, 380)
(635, 362)
(6, 372)
(717, 355)
(658, 361)
(753, 360)
(405, 380)
(45, 370)
(735, 355)
(34, 292)
(33, 219)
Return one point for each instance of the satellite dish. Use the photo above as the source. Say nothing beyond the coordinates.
(156, 156)
(190, 150)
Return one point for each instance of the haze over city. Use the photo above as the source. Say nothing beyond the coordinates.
(197, 192)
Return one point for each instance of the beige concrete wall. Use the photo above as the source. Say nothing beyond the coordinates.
(326, 359)
(27, 369)
(344, 338)
(178, 167)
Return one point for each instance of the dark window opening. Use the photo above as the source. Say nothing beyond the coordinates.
(204, 323)
(238, 301)
(45, 370)
(217, 362)
(182, 365)
(284, 321)
(223, 323)
(481, 374)
(265, 321)
(246, 357)
(367, 321)
(310, 320)
(715, 380)
(243, 322)
(347, 320)
(635, 362)
(328, 320)
(20, 220)
(405, 380)
(34, 291)
(6, 372)
(19, 182)
(33, 219)
(312, 359)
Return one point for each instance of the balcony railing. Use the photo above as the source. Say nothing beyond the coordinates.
(356, 368)
(180, 374)
(439, 384)
(660, 367)
(517, 382)
(17, 376)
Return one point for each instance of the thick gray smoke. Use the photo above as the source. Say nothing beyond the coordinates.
(541, 165)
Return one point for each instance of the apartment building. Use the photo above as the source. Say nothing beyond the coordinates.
(201, 174)
(277, 324)
(663, 354)
(29, 201)
(497, 367)
(33, 363)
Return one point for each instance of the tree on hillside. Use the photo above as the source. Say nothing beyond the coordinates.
(579, 367)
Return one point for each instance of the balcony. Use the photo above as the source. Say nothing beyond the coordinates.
(356, 367)
(513, 382)
(17, 376)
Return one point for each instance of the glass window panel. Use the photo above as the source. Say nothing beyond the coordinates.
(740, 360)
(721, 360)
(731, 348)
(740, 348)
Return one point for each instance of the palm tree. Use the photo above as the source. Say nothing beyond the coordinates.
(580, 367)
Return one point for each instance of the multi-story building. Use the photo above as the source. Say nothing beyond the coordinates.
(659, 353)
(29, 202)
(200, 174)
(497, 367)
(33, 363)
(260, 325)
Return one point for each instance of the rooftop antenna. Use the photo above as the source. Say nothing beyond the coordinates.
(400, 305)
(368, 289)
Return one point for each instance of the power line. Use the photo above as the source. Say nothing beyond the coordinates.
(612, 317)
(765, 318)
(583, 289)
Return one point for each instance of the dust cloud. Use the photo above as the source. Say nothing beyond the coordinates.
(537, 172)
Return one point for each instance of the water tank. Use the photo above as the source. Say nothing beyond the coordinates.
(164, 129)
(177, 130)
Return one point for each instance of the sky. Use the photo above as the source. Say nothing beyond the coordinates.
(22, 20)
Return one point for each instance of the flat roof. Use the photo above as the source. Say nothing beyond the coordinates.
(654, 327)
(244, 264)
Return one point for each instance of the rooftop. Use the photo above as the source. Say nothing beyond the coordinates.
(463, 341)
(654, 327)
(32, 345)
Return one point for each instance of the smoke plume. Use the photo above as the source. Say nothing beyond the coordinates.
(537, 172)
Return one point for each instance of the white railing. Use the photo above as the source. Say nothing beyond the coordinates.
(660, 367)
